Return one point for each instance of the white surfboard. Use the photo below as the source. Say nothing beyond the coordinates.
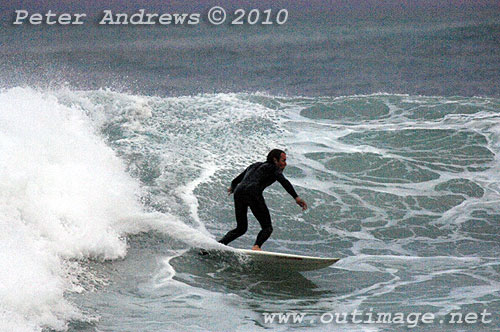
(288, 261)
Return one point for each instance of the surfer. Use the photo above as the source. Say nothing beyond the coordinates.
(248, 187)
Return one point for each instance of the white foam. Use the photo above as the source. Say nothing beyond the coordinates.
(63, 195)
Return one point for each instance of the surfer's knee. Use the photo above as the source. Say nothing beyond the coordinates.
(240, 230)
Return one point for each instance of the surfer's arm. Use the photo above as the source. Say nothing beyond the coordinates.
(286, 184)
(289, 188)
(235, 182)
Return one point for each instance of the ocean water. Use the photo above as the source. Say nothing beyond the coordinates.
(117, 145)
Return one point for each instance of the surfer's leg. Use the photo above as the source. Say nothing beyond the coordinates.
(240, 209)
(261, 212)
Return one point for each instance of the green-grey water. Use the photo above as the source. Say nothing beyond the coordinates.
(117, 145)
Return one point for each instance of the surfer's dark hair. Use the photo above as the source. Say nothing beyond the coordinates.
(274, 154)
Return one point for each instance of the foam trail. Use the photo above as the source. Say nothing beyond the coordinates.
(171, 226)
(187, 194)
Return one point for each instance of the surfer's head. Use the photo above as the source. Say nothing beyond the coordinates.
(277, 157)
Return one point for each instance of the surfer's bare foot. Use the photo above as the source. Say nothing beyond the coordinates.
(256, 247)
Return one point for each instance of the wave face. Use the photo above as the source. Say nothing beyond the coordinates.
(95, 183)
(64, 195)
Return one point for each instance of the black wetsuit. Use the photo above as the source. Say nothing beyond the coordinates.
(248, 188)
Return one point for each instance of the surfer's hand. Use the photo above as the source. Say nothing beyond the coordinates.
(301, 202)
(229, 191)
